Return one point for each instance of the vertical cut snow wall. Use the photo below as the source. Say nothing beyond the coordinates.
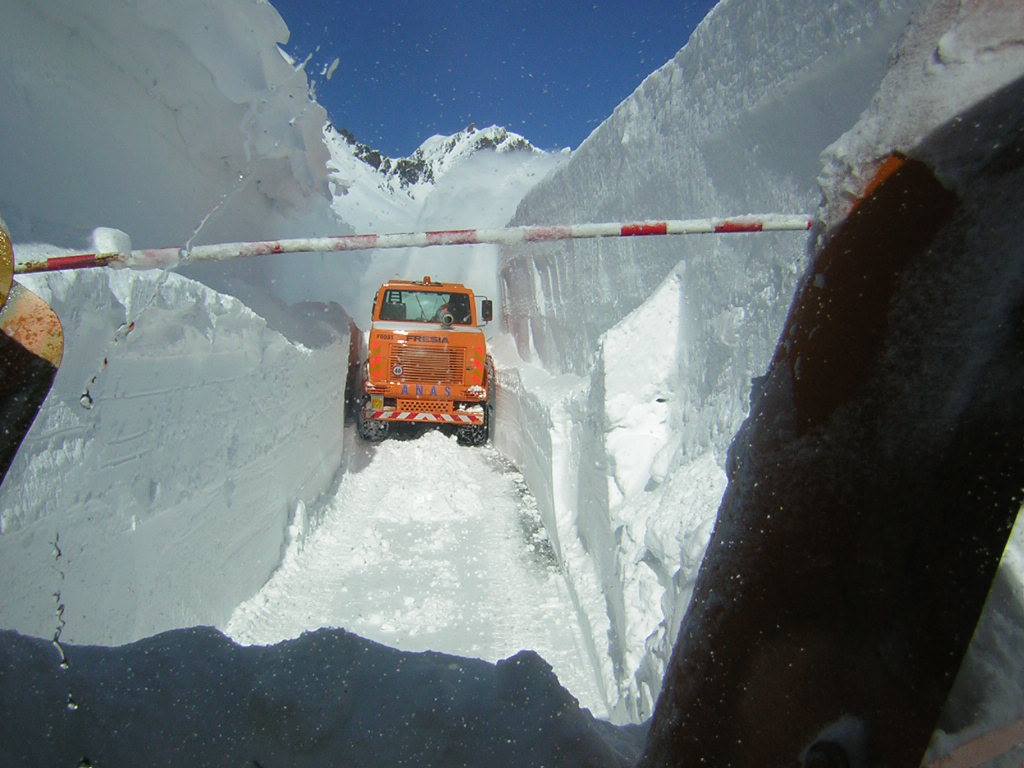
(180, 442)
(664, 335)
(178, 123)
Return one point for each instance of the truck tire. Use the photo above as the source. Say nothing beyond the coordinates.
(371, 430)
(479, 435)
(476, 435)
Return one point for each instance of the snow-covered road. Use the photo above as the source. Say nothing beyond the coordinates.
(428, 546)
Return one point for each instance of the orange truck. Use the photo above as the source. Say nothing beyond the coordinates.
(427, 362)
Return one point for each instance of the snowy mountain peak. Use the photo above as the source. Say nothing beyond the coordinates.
(442, 152)
(493, 164)
(434, 157)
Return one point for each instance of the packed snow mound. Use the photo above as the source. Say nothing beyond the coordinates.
(174, 122)
(326, 698)
(179, 436)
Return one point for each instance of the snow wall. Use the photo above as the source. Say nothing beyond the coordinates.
(178, 447)
(175, 122)
(663, 335)
(632, 361)
(172, 495)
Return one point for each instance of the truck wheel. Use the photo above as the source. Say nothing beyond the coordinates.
(477, 435)
(472, 435)
(371, 430)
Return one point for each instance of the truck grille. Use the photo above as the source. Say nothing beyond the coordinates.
(424, 406)
(429, 364)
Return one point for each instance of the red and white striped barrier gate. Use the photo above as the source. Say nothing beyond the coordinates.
(166, 258)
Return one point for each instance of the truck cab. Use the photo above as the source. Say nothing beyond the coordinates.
(427, 362)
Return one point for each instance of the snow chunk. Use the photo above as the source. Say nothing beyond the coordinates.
(639, 358)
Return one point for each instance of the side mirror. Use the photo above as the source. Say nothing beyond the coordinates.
(488, 310)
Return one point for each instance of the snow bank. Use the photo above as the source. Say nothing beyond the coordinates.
(534, 426)
(179, 438)
(326, 698)
(171, 121)
(666, 334)
(178, 123)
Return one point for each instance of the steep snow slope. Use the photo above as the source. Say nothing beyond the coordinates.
(179, 437)
(372, 191)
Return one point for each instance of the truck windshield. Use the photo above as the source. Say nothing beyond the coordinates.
(425, 306)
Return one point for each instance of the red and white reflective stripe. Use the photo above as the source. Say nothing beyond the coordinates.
(57, 263)
(432, 418)
(165, 258)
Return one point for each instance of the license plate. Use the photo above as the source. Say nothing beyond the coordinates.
(377, 402)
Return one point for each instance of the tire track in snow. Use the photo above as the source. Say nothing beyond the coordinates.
(429, 546)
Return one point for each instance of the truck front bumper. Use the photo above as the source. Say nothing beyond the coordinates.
(459, 418)
(380, 408)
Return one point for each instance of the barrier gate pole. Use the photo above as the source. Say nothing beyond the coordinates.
(165, 258)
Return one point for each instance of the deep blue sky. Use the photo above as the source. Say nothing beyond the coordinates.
(551, 71)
